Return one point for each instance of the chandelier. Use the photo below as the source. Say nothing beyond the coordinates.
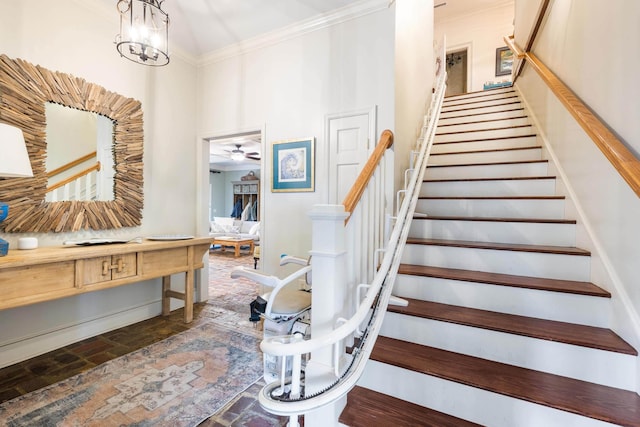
(453, 59)
(144, 32)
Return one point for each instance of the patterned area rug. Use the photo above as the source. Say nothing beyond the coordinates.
(176, 382)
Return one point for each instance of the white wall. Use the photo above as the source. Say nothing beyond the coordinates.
(586, 44)
(287, 89)
(526, 13)
(482, 32)
(414, 65)
(76, 37)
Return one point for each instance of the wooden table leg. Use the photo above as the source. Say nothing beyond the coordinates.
(166, 299)
(188, 296)
(237, 246)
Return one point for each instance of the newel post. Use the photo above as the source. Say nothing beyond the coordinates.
(327, 301)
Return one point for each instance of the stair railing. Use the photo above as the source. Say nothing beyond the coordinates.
(331, 372)
(81, 185)
(620, 157)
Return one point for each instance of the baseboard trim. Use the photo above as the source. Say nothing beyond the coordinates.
(27, 347)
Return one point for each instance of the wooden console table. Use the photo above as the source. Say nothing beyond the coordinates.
(43, 274)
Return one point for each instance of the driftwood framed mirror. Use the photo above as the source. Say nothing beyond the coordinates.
(25, 89)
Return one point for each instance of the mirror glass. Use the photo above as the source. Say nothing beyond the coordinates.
(79, 161)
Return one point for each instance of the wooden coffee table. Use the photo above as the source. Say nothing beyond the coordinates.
(236, 242)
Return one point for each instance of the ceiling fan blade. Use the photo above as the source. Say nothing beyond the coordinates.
(252, 157)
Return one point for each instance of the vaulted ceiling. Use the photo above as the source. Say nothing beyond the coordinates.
(201, 27)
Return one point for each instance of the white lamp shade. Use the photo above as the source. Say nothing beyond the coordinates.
(14, 158)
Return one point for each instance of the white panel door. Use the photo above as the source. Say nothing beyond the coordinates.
(349, 148)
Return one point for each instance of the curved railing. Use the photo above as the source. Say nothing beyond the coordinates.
(370, 311)
(622, 159)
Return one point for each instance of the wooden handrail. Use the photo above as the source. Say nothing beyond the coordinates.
(353, 197)
(622, 159)
(71, 164)
(95, 167)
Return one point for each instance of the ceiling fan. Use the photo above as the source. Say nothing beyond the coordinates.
(238, 154)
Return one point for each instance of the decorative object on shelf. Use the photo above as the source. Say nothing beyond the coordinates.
(25, 89)
(14, 163)
(495, 85)
(251, 176)
(504, 61)
(144, 32)
(25, 243)
(293, 165)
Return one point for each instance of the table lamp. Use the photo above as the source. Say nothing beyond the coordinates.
(14, 163)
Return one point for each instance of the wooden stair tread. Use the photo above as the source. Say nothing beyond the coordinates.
(491, 197)
(458, 165)
(538, 283)
(501, 178)
(561, 250)
(550, 330)
(483, 130)
(491, 150)
(368, 408)
(579, 397)
(418, 216)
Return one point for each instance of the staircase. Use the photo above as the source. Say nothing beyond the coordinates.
(503, 326)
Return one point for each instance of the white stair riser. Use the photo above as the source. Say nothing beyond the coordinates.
(499, 208)
(484, 134)
(528, 187)
(487, 171)
(471, 111)
(479, 103)
(531, 233)
(559, 306)
(506, 113)
(486, 157)
(452, 100)
(469, 403)
(489, 144)
(487, 124)
(552, 266)
(503, 91)
(540, 355)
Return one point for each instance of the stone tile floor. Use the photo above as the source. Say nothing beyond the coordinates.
(228, 304)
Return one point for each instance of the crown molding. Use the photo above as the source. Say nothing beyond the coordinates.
(335, 17)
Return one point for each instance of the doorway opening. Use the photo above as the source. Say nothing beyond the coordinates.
(234, 159)
(457, 64)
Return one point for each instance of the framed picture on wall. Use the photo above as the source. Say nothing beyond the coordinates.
(504, 61)
(293, 165)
